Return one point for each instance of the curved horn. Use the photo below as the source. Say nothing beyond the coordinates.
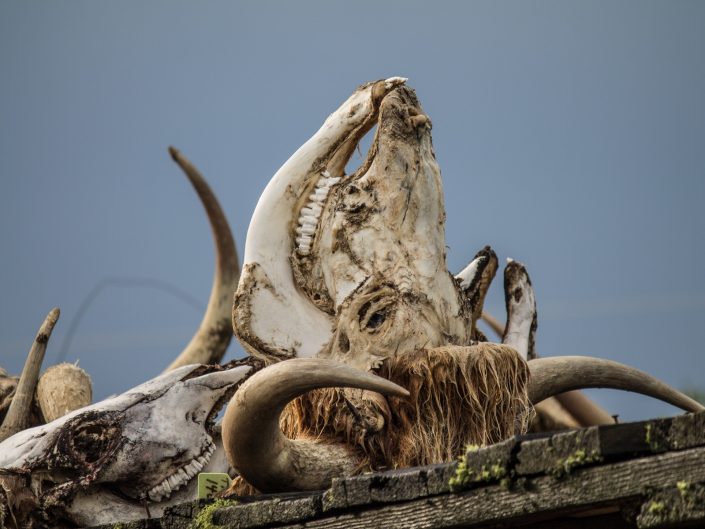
(271, 317)
(475, 279)
(17, 416)
(521, 310)
(558, 374)
(211, 340)
(254, 443)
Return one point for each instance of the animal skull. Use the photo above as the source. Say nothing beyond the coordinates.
(129, 456)
(125, 457)
(352, 268)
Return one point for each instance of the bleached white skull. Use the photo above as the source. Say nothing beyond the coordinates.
(126, 457)
(353, 267)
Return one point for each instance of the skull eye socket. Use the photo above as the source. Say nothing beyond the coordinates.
(92, 441)
(376, 312)
(87, 440)
(376, 319)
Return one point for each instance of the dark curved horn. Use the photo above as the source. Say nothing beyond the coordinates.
(17, 417)
(558, 374)
(211, 340)
(254, 443)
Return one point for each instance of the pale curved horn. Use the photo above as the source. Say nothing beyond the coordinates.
(254, 443)
(558, 374)
(271, 317)
(211, 340)
(520, 300)
(17, 417)
(475, 279)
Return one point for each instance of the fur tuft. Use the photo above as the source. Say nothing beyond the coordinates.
(459, 396)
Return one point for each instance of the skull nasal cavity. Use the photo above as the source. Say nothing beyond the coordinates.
(343, 342)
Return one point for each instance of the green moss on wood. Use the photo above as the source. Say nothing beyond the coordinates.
(466, 476)
(657, 507)
(204, 518)
(577, 459)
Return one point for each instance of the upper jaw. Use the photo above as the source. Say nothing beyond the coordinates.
(351, 226)
(267, 292)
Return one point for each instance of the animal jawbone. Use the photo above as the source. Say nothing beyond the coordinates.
(182, 476)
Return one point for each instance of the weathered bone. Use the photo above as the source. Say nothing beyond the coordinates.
(519, 297)
(475, 280)
(17, 415)
(272, 318)
(106, 462)
(63, 388)
(254, 443)
(211, 340)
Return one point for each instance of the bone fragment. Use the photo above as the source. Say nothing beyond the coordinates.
(63, 388)
(475, 279)
(521, 310)
(18, 414)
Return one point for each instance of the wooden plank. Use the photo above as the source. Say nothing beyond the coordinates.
(540, 497)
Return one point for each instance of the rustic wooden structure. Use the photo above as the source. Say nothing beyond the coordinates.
(647, 474)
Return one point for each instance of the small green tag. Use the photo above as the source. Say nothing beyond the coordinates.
(211, 483)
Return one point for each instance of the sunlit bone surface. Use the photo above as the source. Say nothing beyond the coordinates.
(124, 458)
(358, 268)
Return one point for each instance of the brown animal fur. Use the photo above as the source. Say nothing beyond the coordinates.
(459, 396)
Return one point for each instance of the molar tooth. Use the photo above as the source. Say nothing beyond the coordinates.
(321, 192)
(173, 481)
(304, 239)
(325, 174)
(306, 229)
(310, 212)
(304, 250)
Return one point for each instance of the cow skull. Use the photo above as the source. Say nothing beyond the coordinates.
(129, 456)
(126, 457)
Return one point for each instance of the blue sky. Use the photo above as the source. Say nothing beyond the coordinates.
(571, 136)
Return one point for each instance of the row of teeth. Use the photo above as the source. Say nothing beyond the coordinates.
(181, 477)
(308, 219)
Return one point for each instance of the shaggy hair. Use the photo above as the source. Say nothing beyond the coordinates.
(459, 396)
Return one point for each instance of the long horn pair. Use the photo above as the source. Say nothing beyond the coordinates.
(256, 447)
(211, 340)
(17, 417)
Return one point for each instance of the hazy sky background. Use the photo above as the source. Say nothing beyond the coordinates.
(571, 136)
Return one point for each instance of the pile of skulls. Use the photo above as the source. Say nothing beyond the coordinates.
(358, 335)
